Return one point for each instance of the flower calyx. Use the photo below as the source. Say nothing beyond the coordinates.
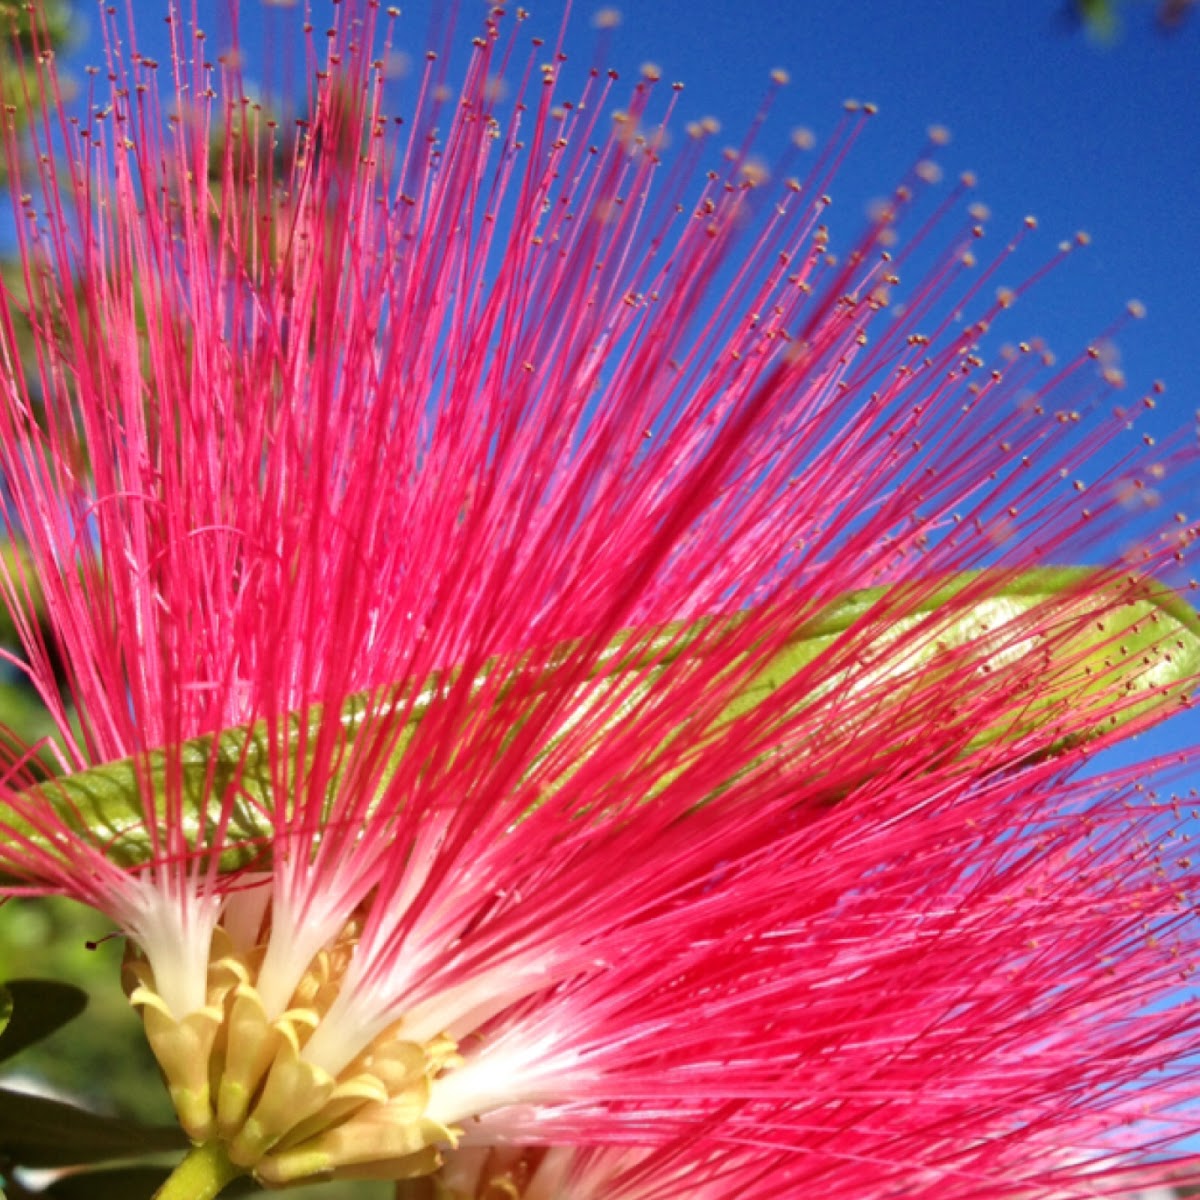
(239, 1076)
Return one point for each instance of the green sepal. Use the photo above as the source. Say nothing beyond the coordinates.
(37, 1132)
(33, 1009)
(1144, 641)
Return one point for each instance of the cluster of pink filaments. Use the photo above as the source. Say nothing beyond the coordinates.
(493, 488)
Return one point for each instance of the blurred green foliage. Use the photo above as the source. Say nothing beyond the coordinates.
(1102, 18)
(20, 41)
(112, 1069)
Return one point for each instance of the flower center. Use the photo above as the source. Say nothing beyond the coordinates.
(239, 1077)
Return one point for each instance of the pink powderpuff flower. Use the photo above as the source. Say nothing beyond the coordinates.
(701, 1166)
(565, 668)
(694, 1166)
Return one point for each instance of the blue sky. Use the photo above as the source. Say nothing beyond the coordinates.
(1101, 138)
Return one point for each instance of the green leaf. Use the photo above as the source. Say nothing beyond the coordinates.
(105, 803)
(1095, 655)
(36, 1132)
(117, 803)
(1132, 638)
(32, 1009)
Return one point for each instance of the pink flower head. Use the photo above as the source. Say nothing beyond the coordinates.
(566, 651)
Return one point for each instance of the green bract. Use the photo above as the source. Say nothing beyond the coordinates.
(1095, 656)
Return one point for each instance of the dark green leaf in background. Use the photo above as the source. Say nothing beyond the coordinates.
(36, 1132)
(32, 1009)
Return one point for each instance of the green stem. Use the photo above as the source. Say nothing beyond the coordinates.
(202, 1174)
